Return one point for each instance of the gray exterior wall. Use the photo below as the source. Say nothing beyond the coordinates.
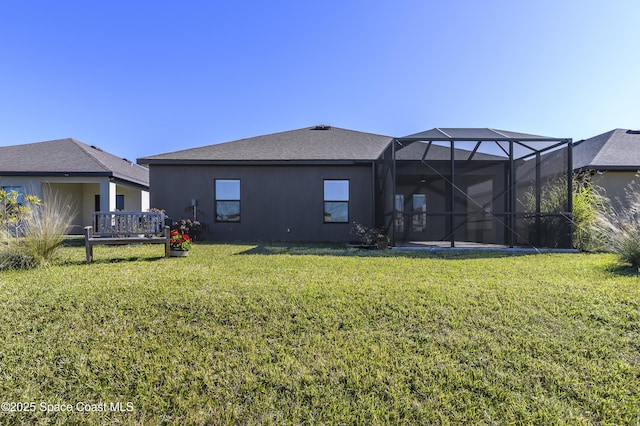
(278, 202)
(615, 185)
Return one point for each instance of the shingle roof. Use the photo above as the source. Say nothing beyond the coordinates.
(618, 149)
(68, 156)
(318, 143)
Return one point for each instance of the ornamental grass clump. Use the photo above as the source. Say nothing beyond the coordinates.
(620, 228)
(589, 203)
(46, 227)
(42, 233)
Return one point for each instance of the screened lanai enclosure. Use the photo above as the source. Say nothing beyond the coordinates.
(477, 187)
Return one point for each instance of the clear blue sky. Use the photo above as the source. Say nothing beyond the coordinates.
(145, 77)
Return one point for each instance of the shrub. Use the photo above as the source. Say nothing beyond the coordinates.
(14, 211)
(190, 227)
(369, 236)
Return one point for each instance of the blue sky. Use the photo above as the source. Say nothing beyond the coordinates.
(145, 77)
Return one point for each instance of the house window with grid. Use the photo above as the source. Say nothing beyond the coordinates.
(227, 200)
(336, 201)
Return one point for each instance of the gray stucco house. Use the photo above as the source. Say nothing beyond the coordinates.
(614, 156)
(443, 186)
(92, 178)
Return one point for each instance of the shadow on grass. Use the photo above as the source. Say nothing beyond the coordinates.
(78, 241)
(73, 241)
(110, 260)
(329, 249)
(622, 270)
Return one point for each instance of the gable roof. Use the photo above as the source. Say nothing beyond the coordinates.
(68, 156)
(318, 143)
(617, 149)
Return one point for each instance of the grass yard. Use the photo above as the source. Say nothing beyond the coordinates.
(255, 334)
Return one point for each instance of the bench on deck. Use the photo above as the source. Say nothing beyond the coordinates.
(126, 228)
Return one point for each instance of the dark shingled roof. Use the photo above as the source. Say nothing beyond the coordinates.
(68, 156)
(318, 143)
(618, 149)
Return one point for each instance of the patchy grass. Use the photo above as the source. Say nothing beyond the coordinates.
(275, 334)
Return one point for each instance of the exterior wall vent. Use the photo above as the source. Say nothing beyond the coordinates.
(321, 127)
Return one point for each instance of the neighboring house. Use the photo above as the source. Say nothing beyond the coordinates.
(614, 157)
(92, 178)
(313, 184)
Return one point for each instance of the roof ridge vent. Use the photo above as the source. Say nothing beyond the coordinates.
(633, 132)
(321, 127)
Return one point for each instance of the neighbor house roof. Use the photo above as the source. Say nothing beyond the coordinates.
(318, 143)
(618, 149)
(68, 157)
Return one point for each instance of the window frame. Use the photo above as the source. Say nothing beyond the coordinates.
(419, 217)
(120, 200)
(216, 200)
(325, 201)
(398, 206)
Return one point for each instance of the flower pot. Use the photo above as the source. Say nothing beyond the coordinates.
(178, 253)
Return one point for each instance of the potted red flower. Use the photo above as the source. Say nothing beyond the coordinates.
(180, 244)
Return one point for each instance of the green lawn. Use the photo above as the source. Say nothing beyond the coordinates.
(255, 334)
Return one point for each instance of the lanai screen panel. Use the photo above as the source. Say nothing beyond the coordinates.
(478, 189)
(543, 207)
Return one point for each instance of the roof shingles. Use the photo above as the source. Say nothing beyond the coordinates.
(68, 156)
(617, 149)
(307, 144)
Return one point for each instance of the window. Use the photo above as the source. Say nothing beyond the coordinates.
(120, 202)
(227, 198)
(18, 189)
(336, 201)
(419, 213)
